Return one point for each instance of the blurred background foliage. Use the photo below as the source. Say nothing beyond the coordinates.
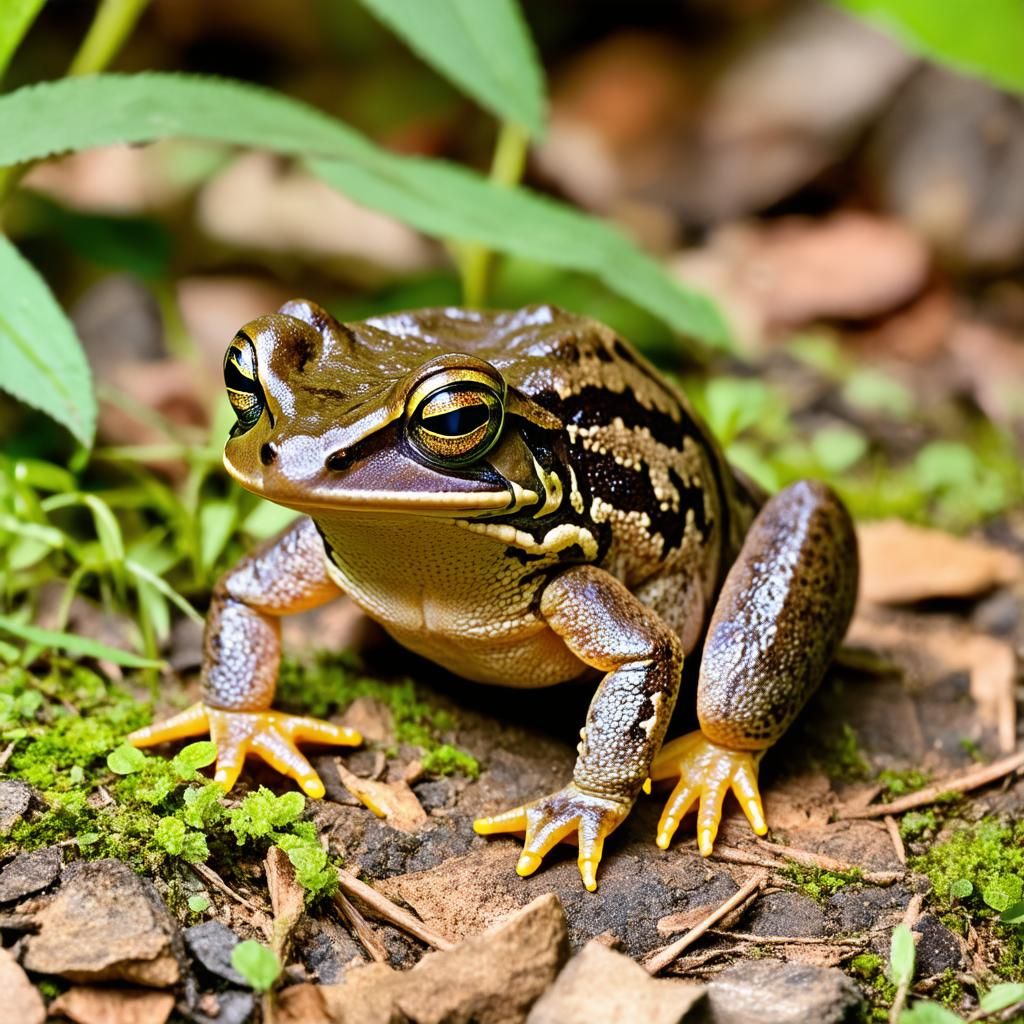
(813, 220)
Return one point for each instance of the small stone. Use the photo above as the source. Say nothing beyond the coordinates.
(493, 978)
(599, 984)
(15, 800)
(104, 924)
(327, 950)
(227, 1008)
(786, 913)
(774, 992)
(858, 909)
(212, 943)
(94, 1004)
(29, 873)
(937, 948)
(22, 1001)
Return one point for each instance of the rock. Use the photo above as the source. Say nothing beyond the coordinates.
(938, 949)
(857, 909)
(774, 992)
(29, 873)
(212, 943)
(599, 984)
(301, 1004)
(94, 1004)
(434, 794)
(22, 1001)
(492, 978)
(948, 159)
(105, 923)
(15, 800)
(227, 1008)
(327, 950)
(786, 913)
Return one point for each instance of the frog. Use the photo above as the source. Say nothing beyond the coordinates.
(522, 498)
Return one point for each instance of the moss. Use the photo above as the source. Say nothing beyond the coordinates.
(950, 991)
(819, 884)
(989, 854)
(333, 680)
(900, 783)
(841, 757)
(915, 824)
(868, 970)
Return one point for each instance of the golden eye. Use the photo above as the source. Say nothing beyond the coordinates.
(240, 378)
(456, 424)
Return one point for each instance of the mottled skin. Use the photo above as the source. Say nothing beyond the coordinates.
(521, 498)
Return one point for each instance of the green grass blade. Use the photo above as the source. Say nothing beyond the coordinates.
(75, 644)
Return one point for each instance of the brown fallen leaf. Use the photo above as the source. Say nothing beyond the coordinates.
(92, 1004)
(21, 998)
(395, 802)
(287, 898)
(902, 563)
(371, 718)
(301, 1004)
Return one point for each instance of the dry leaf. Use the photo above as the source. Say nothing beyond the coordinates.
(91, 1004)
(901, 563)
(371, 718)
(286, 897)
(393, 801)
(301, 1004)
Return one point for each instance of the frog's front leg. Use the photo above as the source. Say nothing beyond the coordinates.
(779, 619)
(241, 655)
(606, 627)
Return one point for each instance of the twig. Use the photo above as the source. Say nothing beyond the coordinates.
(663, 957)
(6, 755)
(382, 907)
(217, 882)
(805, 858)
(366, 935)
(910, 916)
(734, 855)
(972, 779)
(785, 940)
(897, 839)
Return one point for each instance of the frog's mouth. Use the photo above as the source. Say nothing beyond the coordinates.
(399, 486)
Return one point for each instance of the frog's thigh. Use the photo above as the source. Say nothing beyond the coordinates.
(782, 612)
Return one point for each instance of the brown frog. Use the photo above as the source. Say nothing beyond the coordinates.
(523, 499)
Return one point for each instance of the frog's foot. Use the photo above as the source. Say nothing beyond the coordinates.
(269, 734)
(568, 814)
(706, 773)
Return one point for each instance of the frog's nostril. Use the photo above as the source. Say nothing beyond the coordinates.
(267, 453)
(339, 460)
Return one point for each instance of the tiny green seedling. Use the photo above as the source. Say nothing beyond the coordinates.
(257, 964)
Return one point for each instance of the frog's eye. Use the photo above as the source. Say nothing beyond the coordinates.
(457, 423)
(244, 390)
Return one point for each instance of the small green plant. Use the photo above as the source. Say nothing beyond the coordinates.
(198, 904)
(257, 963)
(819, 884)
(900, 783)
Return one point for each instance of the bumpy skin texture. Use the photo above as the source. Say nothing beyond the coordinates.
(592, 530)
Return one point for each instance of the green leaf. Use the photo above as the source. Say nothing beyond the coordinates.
(436, 197)
(483, 47)
(16, 17)
(999, 997)
(1013, 915)
(256, 963)
(43, 363)
(216, 522)
(194, 756)
(902, 955)
(923, 1012)
(986, 39)
(1002, 892)
(198, 904)
(126, 760)
(838, 447)
(75, 644)
(169, 834)
(961, 888)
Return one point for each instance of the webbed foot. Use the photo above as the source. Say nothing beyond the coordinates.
(706, 773)
(271, 735)
(568, 814)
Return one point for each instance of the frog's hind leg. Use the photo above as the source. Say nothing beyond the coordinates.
(780, 617)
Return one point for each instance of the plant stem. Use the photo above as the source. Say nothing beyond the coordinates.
(507, 164)
(111, 25)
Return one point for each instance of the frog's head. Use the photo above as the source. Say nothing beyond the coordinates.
(332, 416)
